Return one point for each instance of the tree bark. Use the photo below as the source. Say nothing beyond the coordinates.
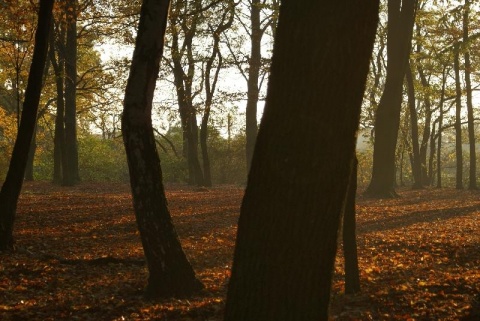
(170, 273)
(288, 226)
(70, 95)
(13, 182)
(401, 18)
(352, 274)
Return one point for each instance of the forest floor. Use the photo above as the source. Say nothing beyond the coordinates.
(79, 255)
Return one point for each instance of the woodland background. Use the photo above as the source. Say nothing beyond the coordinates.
(200, 47)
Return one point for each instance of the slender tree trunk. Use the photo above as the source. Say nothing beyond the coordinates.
(472, 178)
(210, 86)
(416, 161)
(287, 234)
(439, 155)
(352, 274)
(431, 156)
(207, 174)
(458, 122)
(13, 182)
(401, 18)
(254, 64)
(188, 114)
(192, 148)
(440, 125)
(70, 95)
(170, 273)
(427, 127)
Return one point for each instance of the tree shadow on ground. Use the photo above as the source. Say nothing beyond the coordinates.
(405, 220)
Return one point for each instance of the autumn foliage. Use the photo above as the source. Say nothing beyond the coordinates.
(79, 256)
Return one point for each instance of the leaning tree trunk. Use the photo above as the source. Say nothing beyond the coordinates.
(401, 17)
(13, 182)
(290, 215)
(170, 273)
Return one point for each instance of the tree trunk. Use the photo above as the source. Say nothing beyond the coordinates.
(254, 64)
(352, 274)
(301, 167)
(60, 161)
(426, 128)
(211, 85)
(416, 162)
(431, 156)
(207, 174)
(70, 95)
(13, 182)
(458, 121)
(401, 17)
(440, 125)
(472, 178)
(170, 273)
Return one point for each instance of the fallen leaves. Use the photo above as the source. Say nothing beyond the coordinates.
(80, 256)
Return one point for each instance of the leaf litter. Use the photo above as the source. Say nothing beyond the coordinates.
(79, 255)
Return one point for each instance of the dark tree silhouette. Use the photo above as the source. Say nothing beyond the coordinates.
(300, 172)
(401, 17)
(13, 182)
(71, 94)
(170, 273)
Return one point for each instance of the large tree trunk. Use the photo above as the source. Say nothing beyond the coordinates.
(288, 226)
(13, 182)
(416, 162)
(472, 178)
(70, 95)
(401, 17)
(352, 274)
(458, 121)
(254, 64)
(170, 273)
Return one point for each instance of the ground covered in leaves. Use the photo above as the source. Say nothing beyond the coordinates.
(79, 256)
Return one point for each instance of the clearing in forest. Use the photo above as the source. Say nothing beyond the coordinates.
(79, 255)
